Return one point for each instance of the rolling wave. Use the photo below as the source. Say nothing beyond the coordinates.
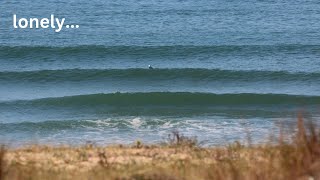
(174, 50)
(155, 74)
(177, 99)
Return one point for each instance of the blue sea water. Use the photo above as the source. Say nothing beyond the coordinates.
(221, 68)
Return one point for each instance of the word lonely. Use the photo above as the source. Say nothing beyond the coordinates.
(52, 22)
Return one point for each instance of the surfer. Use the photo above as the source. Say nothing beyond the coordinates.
(150, 67)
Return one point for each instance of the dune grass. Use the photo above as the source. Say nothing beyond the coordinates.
(179, 158)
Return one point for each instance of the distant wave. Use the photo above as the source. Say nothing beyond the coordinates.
(174, 50)
(155, 74)
(169, 99)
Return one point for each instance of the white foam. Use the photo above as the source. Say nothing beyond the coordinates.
(136, 122)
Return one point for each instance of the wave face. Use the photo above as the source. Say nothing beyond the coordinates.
(173, 99)
(173, 105)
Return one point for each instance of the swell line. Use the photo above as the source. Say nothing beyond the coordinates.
(155, 74)
(174, 50)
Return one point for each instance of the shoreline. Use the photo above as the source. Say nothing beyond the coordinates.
(180, 158)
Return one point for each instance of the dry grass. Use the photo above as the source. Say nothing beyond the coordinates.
(179, 158)
(2, 162)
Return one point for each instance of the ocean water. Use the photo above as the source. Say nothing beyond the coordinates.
(222, 68)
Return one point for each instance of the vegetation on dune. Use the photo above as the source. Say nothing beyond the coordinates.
(178, 158)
